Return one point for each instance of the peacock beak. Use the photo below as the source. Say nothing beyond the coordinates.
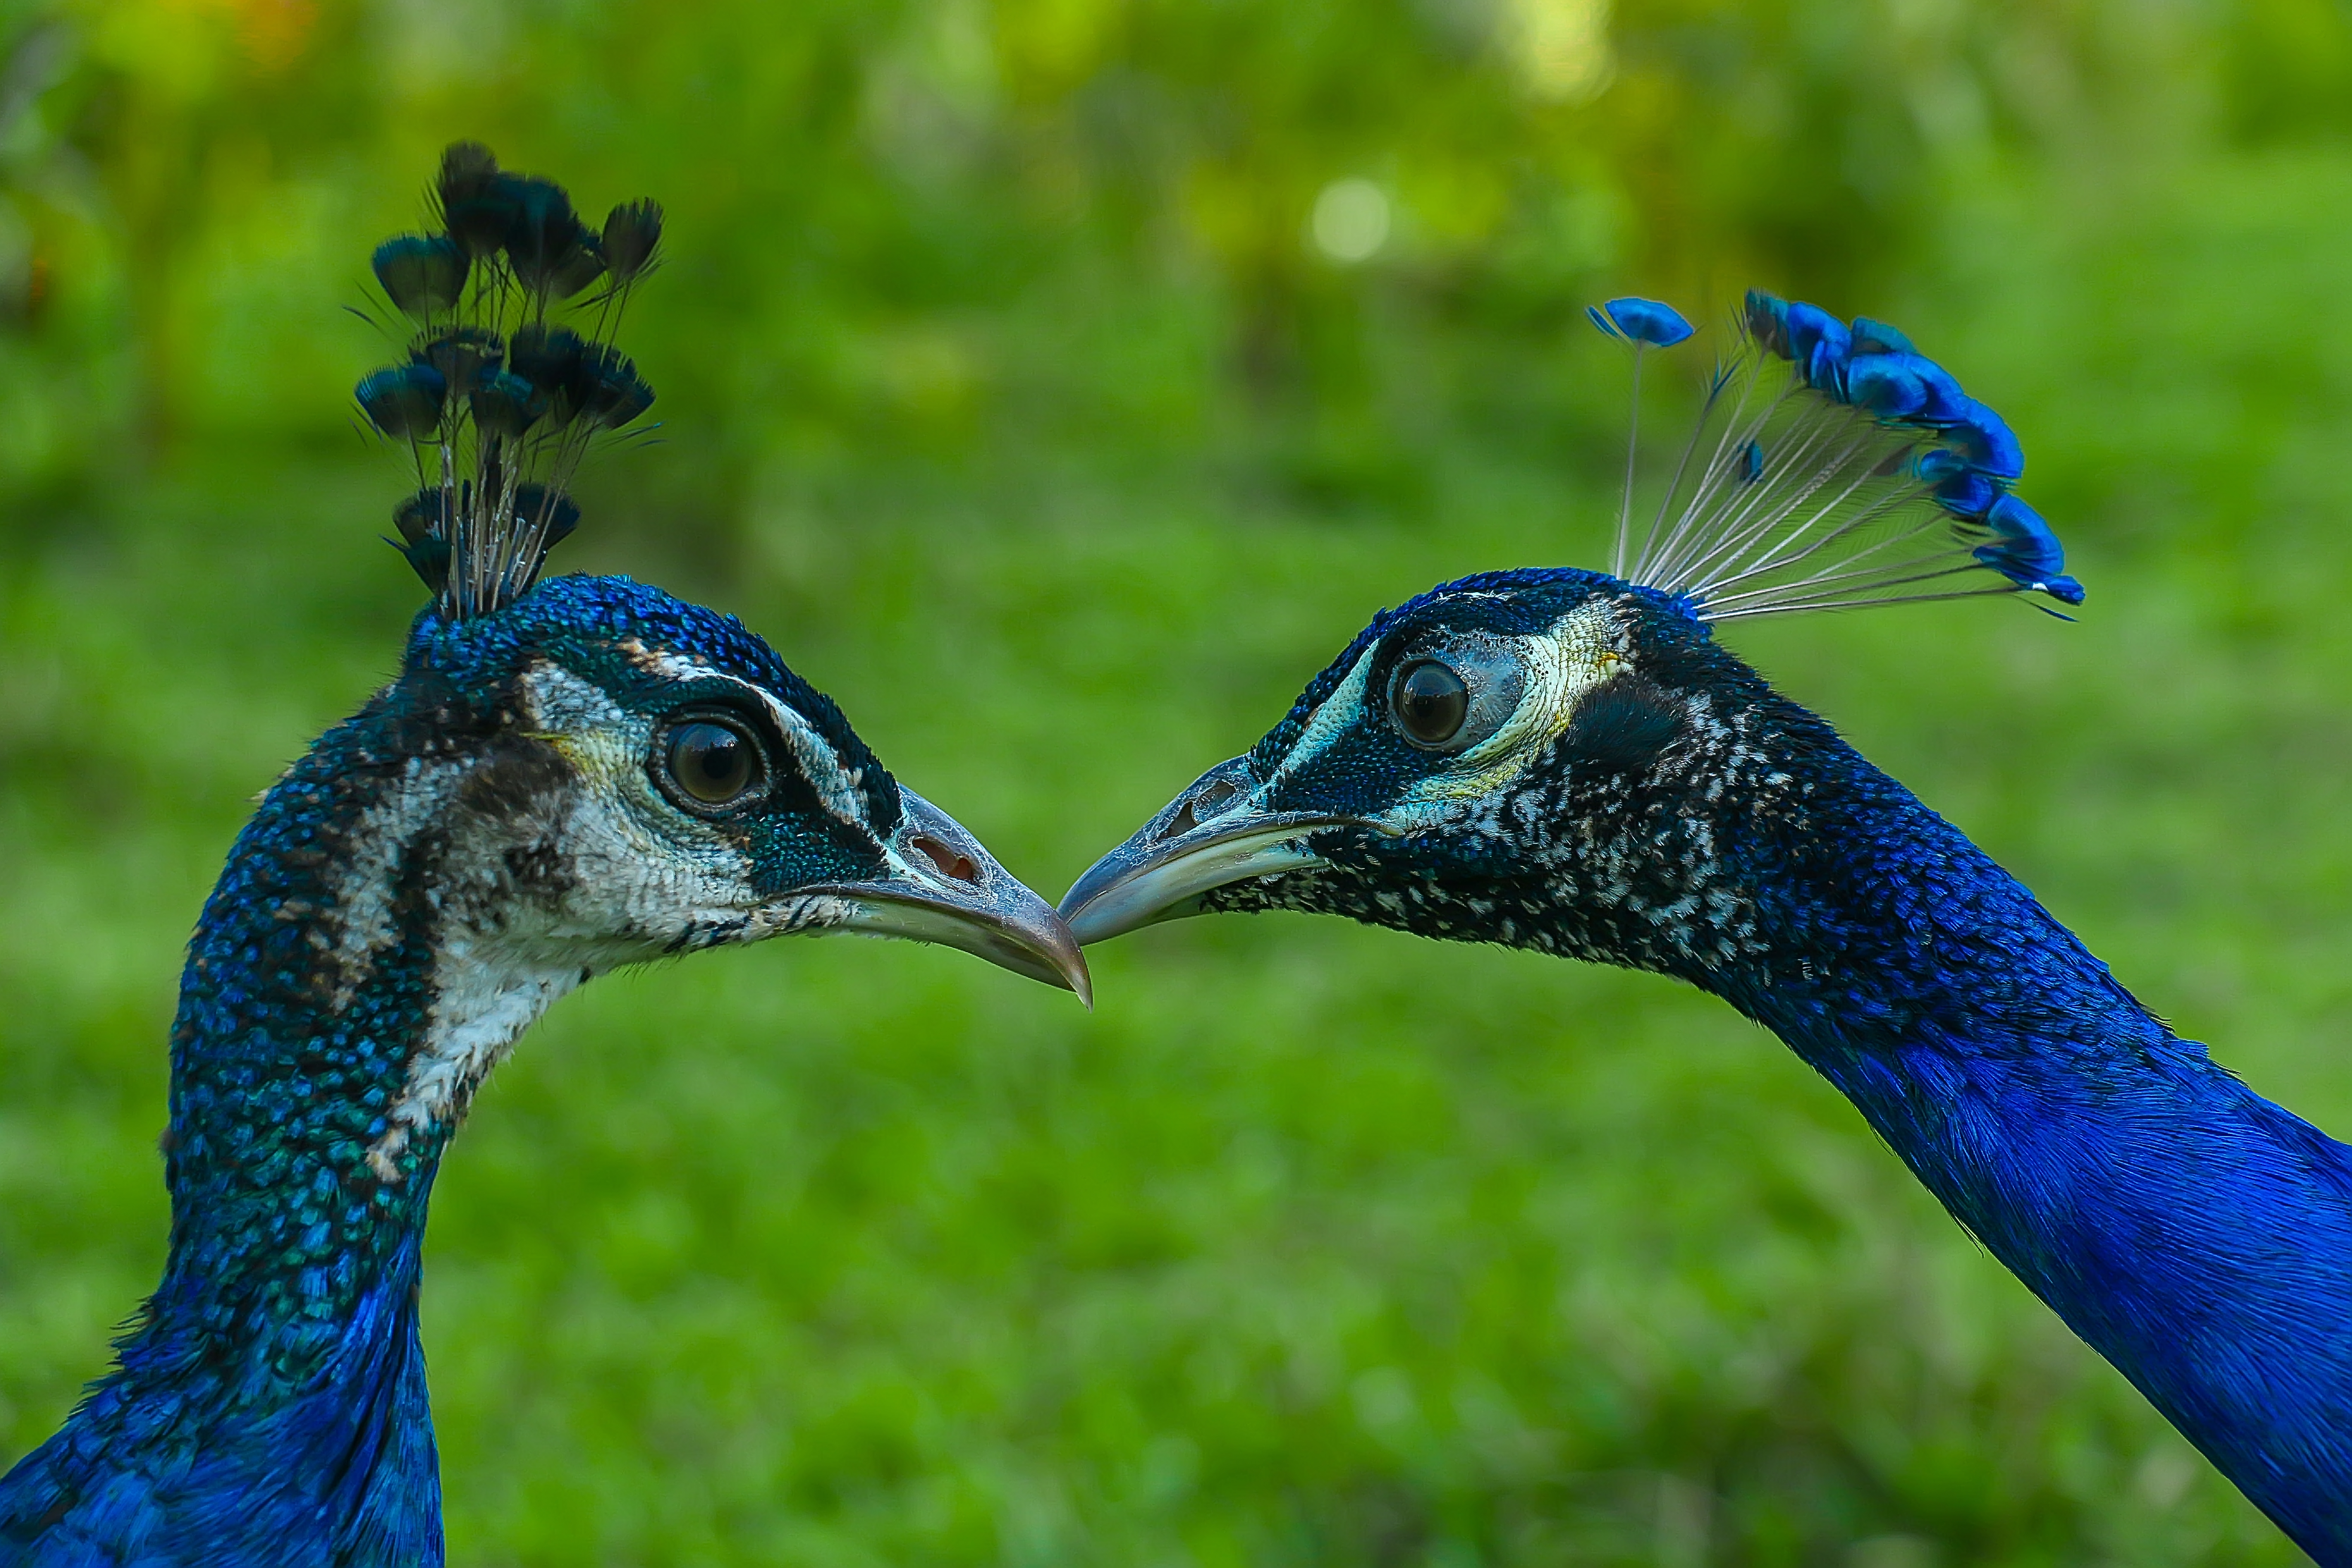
(942, 887)
(1207, 837)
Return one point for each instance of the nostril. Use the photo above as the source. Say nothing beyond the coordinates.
(950, 860)
(1208, 803)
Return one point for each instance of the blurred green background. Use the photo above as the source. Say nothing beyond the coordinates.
(1059, 383)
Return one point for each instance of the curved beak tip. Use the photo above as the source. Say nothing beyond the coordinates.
(947, 888)
(1058, 946)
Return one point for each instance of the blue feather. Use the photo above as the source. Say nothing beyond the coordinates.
(1819, 343)
(1767, 320)
(608, 389)
(2026, 550)
(460, 355)
(1904, 385)
(540, 507)
(1877, 338)
(550, 359)
(1959, 486)
(554, 256)
(505, 405)
(475, 209)
(1640, 321)
(1985, 439)
(632, 240)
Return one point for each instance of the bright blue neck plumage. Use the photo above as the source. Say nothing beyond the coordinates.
(2196, 1234)
(270, 1404)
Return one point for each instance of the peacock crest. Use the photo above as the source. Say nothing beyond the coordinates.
(511, 309)
(1832, 466)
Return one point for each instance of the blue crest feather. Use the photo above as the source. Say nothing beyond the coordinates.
(1832, 466)
(1640, 321)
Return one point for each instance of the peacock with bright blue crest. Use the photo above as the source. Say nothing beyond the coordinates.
(1569, 760)
(567, 776)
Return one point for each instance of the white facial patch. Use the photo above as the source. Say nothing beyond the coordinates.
(642, 871)
(540, 884)
(1340, 712)
(484, 998)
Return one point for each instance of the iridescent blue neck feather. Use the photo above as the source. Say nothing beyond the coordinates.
(270, 1404)
(2197, 1235)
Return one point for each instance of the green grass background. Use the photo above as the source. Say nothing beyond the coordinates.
(1005, 393)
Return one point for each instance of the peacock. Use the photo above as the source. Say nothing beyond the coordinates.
(568, 776)
(1570, 762)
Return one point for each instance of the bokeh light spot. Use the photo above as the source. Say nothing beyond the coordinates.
(1351, 220)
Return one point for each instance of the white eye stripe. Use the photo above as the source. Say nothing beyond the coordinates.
(837, 788)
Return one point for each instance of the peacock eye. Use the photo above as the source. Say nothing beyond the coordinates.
(1431, 703)
(711, 765)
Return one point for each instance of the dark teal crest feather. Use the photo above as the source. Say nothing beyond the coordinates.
(512, 375)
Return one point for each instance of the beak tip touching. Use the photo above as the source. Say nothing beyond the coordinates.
(1161, 873)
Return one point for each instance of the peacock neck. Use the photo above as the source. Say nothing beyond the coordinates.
(339, 1003)
(2198, 1235)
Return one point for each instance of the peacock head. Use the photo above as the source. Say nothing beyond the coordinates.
(618, 775)
(1469, 758)
(1556, 758)
(594, 772)
(569, 774)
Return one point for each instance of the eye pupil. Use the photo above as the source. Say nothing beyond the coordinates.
(712, 763)
(1430, 702)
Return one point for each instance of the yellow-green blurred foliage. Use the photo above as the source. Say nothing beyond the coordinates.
(1059, 383)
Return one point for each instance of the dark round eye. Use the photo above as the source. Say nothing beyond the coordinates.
(1431, 703)
(711, 764)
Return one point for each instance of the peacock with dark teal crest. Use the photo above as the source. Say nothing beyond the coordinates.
(1570, 761)
(566, 776)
